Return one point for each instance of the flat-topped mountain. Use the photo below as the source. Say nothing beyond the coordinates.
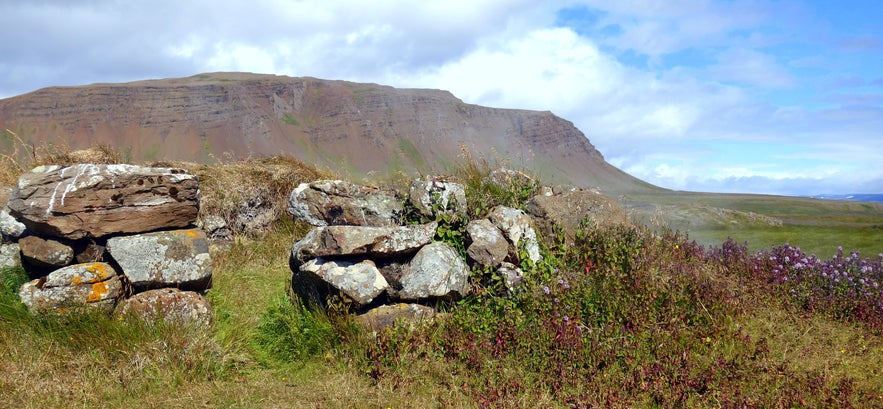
(353, 128)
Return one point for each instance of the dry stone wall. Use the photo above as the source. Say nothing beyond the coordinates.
(398, 271)
(95, 236)
(122, 238)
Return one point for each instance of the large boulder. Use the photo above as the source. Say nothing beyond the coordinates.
(517, 226)
(177, 258)
(432, 196)
(360, 281)
(489, 247)
(568, 209)
(336, 202)
(436, 271)
(382, 242)
(92, 285)
(88, 200)
(42, 253)
(171, 305)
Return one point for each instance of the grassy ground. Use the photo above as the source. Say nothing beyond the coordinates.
(621, 317)
(817, 226)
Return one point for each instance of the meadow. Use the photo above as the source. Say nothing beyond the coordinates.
(615, 316)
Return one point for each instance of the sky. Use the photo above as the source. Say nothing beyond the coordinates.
(780, 97)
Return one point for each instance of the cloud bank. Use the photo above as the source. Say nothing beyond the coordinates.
(729, 96)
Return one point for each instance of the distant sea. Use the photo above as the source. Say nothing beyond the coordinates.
(878, 198)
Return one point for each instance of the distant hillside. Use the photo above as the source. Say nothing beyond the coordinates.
(352, 128)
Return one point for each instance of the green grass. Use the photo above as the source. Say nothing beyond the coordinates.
(289, 119)
(816, 226)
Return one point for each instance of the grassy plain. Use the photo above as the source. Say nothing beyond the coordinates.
(816, 226)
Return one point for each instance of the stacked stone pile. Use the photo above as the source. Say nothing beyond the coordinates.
(360, 249)
(112, 237)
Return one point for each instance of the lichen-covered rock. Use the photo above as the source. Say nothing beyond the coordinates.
(360, 281)
(10, 229)
(435, 271)
(386, 316)
(517, 226)
(178, 258)
(431, 196)
(216, 229)
(43, 253)
(93, 285)
(568, 208)
(10, 255)
(171, 305)
(336, 202)
(382, 242)
(489, 247)
(88, 200)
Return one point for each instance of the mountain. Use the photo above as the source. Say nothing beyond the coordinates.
(354, 129)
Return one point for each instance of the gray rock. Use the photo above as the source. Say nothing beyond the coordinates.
(383, 242)
(97, 200)
(489, 247)
(10, 255)
(336, 202)
(431, 196)
(360, 281)
(10, 229)
(178, 258)
(215, 228)
(43, 253)
(93, 285)
(171, 305)
(516, 225)
(389, 315)
(435, 271)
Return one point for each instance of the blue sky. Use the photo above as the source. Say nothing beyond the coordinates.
(781, 97)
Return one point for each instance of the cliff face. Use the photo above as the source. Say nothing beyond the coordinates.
(355, 129)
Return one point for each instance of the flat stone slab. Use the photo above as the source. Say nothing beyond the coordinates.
(177, 258)
(88, 200)
(337, 202)
(330, 241)
(93, 285)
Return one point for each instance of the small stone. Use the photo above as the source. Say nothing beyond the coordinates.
(43, 253)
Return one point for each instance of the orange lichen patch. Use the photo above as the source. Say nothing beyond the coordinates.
(192, 233)
(97, 269)
(76, 280)
(99, 290)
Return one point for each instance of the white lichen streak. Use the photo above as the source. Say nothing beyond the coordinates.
(91, 170)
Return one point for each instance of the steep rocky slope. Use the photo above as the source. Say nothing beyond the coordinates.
(352, 128)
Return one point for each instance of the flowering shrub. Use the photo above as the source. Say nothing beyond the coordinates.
(846, 286)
